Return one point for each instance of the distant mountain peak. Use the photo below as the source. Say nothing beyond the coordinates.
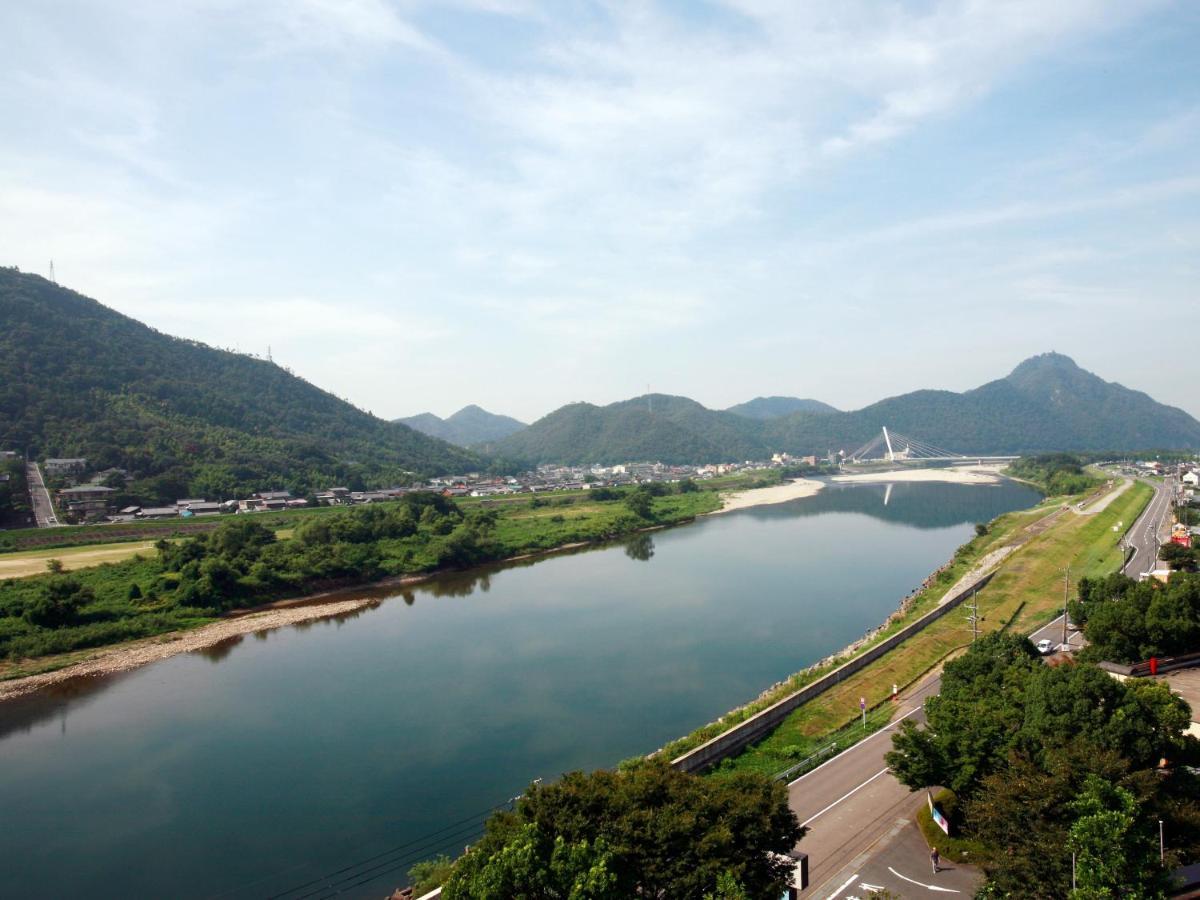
(775, 407)
(1046, 362)
(470, 425)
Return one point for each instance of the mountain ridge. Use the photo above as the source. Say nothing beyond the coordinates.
(774, 407)
(80, 379)
(472, 425)
(1046, 403)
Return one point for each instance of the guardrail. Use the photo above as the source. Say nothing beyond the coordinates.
(758, 725)
(1162, 664)
(805, 764)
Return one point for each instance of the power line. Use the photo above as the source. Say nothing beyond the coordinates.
(385, 868)
(423, 839)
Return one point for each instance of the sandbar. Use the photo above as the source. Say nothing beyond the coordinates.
(777, 493)
(988, 474)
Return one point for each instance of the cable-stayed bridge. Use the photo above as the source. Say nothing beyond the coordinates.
(892, 447)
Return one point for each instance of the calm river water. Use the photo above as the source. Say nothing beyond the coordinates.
(260, 766)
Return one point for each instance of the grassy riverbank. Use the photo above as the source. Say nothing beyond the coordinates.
(192, 581)
(1026, 592)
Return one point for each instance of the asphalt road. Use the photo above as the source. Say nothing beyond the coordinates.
(856, 813)
(43, 509)
(1148, 531)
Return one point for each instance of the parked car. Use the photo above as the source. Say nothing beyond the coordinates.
(1045, 646)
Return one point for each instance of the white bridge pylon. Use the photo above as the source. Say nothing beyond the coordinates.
(894, 447)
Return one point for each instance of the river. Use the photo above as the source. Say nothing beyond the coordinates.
(261, 765)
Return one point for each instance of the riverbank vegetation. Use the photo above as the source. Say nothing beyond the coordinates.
(243, 563)
(1053, 761)
(645, 831)
(1057, 474)
(1025, 593)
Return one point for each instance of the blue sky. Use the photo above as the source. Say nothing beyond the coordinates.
(419, 205)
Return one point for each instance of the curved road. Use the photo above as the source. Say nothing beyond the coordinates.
(1150, 529)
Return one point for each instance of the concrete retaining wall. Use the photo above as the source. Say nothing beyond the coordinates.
(761, 723)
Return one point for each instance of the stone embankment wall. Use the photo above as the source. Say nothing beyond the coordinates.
(741, 735)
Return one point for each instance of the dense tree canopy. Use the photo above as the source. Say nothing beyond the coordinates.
(647, 831)
(1048, 758)
(1129, 621)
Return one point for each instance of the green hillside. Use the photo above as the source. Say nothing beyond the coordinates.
(78, 379)
(774, 407)
(653, 427)
(468, 427)
(1047, 404)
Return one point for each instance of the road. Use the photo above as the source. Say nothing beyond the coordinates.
(43, 509)
(1147, 532)
(859, 815)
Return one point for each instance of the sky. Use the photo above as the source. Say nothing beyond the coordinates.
(419, 205)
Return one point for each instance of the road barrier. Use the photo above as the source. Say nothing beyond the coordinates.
(761, 723)
(1156, 666)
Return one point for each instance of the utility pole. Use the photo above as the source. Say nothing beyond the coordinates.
(974, 617)
(1066, 596)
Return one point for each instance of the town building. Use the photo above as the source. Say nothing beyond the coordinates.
(56, 467)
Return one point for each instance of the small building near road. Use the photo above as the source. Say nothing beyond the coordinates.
(86, 501)
(66, 466)
(159, 512)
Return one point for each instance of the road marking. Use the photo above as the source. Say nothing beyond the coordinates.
(882, 771)
(873, 888)
(932, 887)
(883, 730)
(833, 896)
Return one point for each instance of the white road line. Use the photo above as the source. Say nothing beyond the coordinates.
(848, 793)
(833, 896)
(884, 730)
(932, 887)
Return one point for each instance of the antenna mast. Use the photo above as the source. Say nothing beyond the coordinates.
(52, 278)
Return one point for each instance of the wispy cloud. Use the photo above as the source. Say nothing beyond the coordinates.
(573, 182)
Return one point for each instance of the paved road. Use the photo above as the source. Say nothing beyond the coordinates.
(1148, 532)
(856, 812)
(43, 509)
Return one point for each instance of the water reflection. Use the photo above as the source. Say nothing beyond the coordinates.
(218, 651)
(54, 702)
(919, 504)
(640, 547)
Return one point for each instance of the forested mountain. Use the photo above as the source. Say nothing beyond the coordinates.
(469, 426)
(655, 426)
(774, 407)
(1047, 403)
(186, 420)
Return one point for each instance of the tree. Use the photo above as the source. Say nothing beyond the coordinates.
(658, 832)
(55, 566)
(534, 866)
(429, 874)
(973, 721)
(1115, 854)
(1178, 557)
(640, 504)
(58, 602)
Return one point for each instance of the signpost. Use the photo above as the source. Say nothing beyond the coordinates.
(937, 815)
(862, 704)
